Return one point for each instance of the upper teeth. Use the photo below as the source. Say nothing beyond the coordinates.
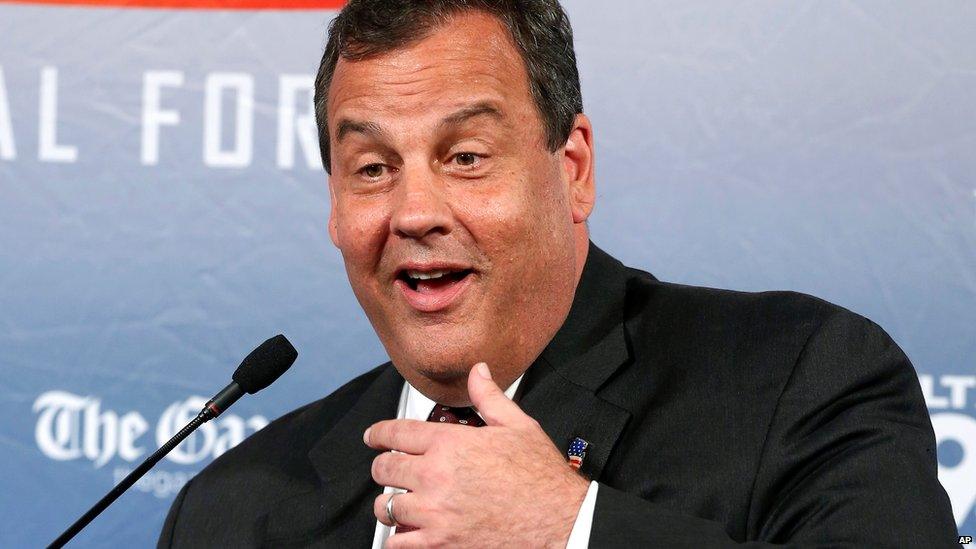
(427, 275)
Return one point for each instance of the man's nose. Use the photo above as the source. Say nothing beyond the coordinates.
(421, 207)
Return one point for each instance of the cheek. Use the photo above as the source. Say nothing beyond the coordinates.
(518, 203)
(361, 228)
(537, 212)
(525, 229)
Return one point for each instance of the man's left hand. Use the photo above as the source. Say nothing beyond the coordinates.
(501, 484)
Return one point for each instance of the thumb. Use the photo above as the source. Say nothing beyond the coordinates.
(490, 400)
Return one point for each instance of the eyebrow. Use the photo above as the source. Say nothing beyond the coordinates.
(347, 126)
(372, 129)
(478, 109)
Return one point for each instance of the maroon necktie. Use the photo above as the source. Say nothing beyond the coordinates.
(462, 416)
(447, 414)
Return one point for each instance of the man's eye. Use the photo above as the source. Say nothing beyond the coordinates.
(372, 171)
(466, 159)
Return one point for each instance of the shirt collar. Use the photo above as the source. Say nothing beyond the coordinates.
(415, 405)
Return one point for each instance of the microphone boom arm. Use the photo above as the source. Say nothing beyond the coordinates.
(213, 409)
(259, 369)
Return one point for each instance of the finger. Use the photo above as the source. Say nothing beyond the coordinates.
(490, 400)
(406, 435)
(396, 470)
(379, 506)
(407, 509)
(407, 540)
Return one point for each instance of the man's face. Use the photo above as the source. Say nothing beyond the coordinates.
(462, 235)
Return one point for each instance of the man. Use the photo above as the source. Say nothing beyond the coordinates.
(644, 413)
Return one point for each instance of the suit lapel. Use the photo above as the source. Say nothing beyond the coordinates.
(340, 509)
(566, 411)
(561, 386)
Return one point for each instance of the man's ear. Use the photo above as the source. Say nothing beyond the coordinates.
(578, 168)
(333, 222)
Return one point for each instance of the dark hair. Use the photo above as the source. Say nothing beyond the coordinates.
(539, 28)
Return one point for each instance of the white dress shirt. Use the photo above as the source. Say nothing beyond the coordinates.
(414, 405)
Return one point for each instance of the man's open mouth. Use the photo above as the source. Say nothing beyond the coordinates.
(432, 281)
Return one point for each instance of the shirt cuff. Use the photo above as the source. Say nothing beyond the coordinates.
(579, 538)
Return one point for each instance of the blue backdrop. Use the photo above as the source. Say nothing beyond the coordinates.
(163, 210)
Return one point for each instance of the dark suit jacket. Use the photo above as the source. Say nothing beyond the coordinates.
(713, 417)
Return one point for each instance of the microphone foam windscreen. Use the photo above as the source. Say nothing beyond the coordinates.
(265, 364)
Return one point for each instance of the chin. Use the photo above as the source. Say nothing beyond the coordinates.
(436, 354)
(442, 382)
(441, 376)
(443, 372)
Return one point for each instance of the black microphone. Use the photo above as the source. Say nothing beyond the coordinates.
(258, 370)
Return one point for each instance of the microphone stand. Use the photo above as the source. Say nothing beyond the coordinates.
(258, 370)
(210, 411)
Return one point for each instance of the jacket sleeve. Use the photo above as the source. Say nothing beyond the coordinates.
(169, 526)
(849, 460)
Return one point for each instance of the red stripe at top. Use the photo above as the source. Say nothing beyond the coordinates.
(195, 4)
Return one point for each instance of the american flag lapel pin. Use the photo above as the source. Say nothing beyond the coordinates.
(576, 452)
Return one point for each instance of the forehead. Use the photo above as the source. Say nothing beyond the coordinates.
(470, 58)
